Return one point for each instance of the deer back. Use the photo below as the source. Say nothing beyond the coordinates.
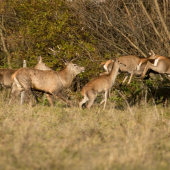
(129, 62)
(47, 80)
(5, 78)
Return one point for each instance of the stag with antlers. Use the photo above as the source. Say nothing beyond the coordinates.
(51, 82)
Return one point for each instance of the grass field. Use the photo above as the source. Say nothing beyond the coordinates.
(61, 138)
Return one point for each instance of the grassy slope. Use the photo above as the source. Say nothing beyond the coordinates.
(43, 137)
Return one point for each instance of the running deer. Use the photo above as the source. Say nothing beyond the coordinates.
(100, 84)
(141, 65)
(133, 65)
(129, 62)
(49, 81)
(161, 65)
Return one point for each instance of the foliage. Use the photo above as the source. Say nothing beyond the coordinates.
(96, 31)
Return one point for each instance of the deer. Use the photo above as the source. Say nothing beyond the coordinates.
(141, 65)
(49, 81)
(5, 74)
(8, 82)
(100, 84)
(133, 65)
(5, 77)
(129, 62)
(160, 65)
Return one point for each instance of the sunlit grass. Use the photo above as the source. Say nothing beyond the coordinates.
(43, 137)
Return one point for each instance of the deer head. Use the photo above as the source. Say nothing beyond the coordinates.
(74, 69)
(40, 65)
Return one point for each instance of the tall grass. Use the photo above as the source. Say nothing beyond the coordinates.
(43, 137)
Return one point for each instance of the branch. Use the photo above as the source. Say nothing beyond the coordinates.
(151, 21)
(4, 45)
(136, 47)
(161, 18)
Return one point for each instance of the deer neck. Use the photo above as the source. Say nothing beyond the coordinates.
(113, 74)
(66, 77)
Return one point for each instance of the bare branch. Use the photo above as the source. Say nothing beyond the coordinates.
(161, 18)
(151, 21)
(3, 43)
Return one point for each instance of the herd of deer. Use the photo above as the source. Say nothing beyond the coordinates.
(42, 78)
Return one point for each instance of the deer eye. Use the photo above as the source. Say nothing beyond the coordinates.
(75, 65)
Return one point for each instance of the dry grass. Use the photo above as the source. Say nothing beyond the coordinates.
(43, 137)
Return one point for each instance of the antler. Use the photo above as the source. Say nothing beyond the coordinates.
(54, 52)
(77, 56)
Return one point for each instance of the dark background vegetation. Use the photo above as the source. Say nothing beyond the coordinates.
(96, 30)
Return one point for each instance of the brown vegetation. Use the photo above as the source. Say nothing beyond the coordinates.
(43, 137)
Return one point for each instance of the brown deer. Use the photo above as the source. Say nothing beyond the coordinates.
(5, 74)
(141, 65)
(51, 82)
(100, 84)
(161, 65)
(133, 65)
(9, 72)
(129, 62)
(5, 77)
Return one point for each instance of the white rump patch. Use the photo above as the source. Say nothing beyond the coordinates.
(138, 66)
(156, 62)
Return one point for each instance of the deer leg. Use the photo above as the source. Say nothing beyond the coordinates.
(102, 102)
(91, 97)
(84, 100)
(27, 95)
(130, 78)
(49, 97)
(14, 95)
(60, 95)
(105, 98)
(109, 93)
(91, 100)
(15, 91)
(125, 78)
(145, 70)
(34, 96)
(106, 94)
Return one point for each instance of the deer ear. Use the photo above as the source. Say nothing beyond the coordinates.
(151, 52)
(39, 59)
